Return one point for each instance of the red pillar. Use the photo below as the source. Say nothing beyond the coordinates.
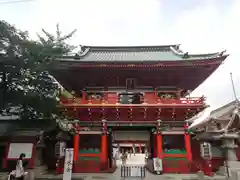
(187, 139)
(83, 97)
(159, 146)
(159, 140)
(104, 139)
(103, 157)
(76, 147)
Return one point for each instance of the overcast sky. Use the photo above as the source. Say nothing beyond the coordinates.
(198, 25)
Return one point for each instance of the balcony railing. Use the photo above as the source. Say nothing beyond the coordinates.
(147, 99)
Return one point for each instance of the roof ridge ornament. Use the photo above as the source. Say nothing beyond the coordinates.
(83, 51)
(222, 52)
(176, 51)
(186, 55)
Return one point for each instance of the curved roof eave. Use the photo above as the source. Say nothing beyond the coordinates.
(177, 51)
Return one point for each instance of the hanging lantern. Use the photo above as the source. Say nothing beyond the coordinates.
(103, 113)
(104, 126)
(158, 125)
(174, 114)
(77, 128)
(158, 113)
(186, 126)
(117, 114)
(145, 113)
(130, 113)
(89, 113)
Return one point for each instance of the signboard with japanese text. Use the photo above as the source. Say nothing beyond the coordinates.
(157, 165)
(68, 164)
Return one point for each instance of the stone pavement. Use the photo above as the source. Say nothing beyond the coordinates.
(116, 176)
(138, 159)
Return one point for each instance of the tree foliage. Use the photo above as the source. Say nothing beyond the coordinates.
(26, 87)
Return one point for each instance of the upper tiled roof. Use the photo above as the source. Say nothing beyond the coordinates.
(138, 53)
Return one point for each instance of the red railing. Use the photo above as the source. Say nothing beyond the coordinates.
(113, 100)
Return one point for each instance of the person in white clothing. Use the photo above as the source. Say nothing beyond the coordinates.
(19, 167)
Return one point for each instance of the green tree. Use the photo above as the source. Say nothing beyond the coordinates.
(26, 87)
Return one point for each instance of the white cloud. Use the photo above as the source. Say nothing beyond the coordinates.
(205, 28)
(208, 29)
(100, 22)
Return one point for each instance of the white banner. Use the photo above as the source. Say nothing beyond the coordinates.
(68, 164)
(157, 164)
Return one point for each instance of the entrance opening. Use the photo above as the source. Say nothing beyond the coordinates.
(90, 143)
(174, 144)
(135, 154)
(134, 142)
(137, 150)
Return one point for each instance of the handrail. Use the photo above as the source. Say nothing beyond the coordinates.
(112, 101)
(148, 98)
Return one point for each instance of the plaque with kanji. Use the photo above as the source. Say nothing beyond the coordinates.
(67, 174)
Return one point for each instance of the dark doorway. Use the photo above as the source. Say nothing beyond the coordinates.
(173, 143)
(130, 84)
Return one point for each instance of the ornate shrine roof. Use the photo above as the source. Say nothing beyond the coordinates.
(189, 71)
(227, 117)
(138, 53)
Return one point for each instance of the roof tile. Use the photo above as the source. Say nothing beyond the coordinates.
(136, 54)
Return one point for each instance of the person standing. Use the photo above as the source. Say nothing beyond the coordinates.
(134, 150)
(146, 156)
(124, 158)
(19, 167)
(130, 153)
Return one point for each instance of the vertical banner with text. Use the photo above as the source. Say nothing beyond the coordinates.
(68, 164)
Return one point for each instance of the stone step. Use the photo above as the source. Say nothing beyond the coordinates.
(233, 164)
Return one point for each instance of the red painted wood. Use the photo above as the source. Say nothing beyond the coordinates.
(103, 156)
(194, 63)
(76, 147)
(32, 160)
(187, 139)
(4, 164)
(121, 115)
(83, 96)
(175, 155)
(149, 99)
(159, 146)
(176, 166)
(87, 167)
